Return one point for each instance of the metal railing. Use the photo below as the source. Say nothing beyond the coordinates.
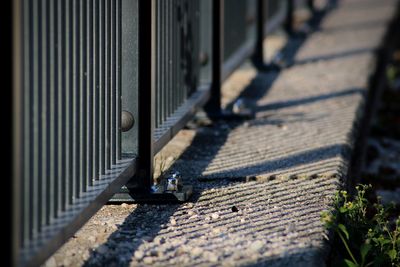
(100, 86)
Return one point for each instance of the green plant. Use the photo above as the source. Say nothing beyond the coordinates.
(366, 235)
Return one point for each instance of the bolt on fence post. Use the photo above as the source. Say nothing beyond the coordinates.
(143, 180)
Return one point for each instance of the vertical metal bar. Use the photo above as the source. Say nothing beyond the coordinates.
(258, 57)
(213, 107)
(163, 61)
(178, 68)
(311, 6)
(27, 181)
(158, 62)
(113, 88)
(175, 63)
(102, 80)
(15, 61)
(191, 33)
(54, 90)
(289, 17)
(68, 126)
(163, 32)
(196, 43)
(34, 136)
(75, 100)
(178, 40)
(61, 124)
(96, 89)
(171, 60)
(118, 77)
(83, 92)
(89, 98)
(107, 95)
(195, 56)
(160, 94)
(46, 186)
(167, 92)
(146, 27)
(39, 92)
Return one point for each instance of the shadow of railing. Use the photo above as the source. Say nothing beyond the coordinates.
(131, 234)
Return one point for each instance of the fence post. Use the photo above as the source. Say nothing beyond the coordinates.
(258, 56)
(288, 25)
(311, 6)
(142, 182)
(213, 107)
(142, 187)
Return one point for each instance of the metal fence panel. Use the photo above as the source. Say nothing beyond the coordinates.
(70, 113)
(275, 12)
(239, 33)
(81, 103)
(177, 66)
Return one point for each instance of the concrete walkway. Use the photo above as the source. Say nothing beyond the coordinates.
(259, 185)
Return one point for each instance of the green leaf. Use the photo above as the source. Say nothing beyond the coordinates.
(392, 254)
(349, 263)
(344, 230)
(365, 248)
(342, 209)
(383, 241)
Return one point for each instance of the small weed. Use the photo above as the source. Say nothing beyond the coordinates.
(366, 235)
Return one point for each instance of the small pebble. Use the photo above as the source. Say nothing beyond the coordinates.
(215, 216)
(197, 251)
(256, 245)
(148, 260)
(213, 257)
(216, 230)
(154, 253)
(194, 216)
(138, 255)
(67, 262)
(91, 239)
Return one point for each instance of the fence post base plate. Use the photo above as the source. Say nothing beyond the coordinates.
(132, 196)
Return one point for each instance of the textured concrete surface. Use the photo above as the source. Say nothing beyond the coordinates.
(259, 185)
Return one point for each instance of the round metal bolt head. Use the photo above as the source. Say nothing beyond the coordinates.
(127, 121)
